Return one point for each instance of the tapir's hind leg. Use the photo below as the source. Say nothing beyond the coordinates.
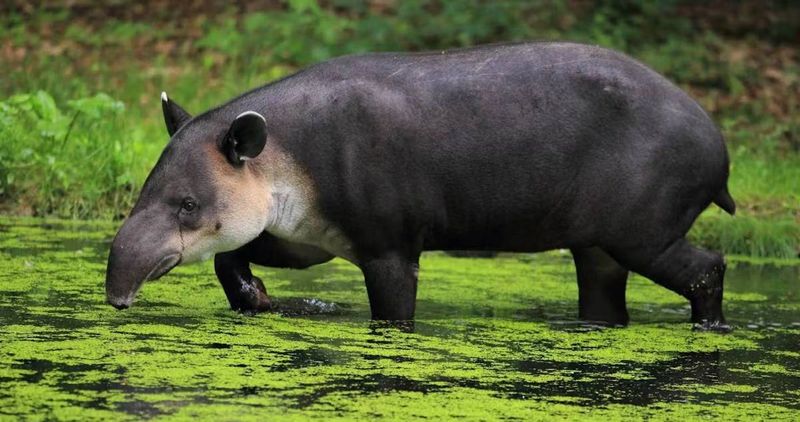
(246, 292)
(601, 287)
(694, 273)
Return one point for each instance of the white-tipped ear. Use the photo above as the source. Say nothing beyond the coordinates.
(174, 115)
(246, 137)
(252, 113)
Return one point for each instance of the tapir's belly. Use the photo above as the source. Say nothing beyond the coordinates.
(497, 230)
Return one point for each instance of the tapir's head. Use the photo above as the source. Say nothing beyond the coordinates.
(202, 197)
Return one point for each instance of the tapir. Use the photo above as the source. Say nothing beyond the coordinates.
(376, 158)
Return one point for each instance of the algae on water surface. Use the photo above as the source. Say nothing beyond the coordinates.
(494, 338)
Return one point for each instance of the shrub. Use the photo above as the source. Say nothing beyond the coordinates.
(68, 161)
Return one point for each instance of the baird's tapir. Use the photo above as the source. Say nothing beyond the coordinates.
(375, 158)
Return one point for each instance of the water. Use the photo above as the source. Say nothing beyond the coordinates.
(495, 338)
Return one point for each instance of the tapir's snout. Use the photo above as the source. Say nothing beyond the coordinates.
(144, 249)
(119, 305)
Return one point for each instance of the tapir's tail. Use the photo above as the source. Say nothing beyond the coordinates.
(725, 201)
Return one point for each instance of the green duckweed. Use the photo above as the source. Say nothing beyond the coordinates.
(494, 338)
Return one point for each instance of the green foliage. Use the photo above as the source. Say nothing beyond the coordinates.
(748, 235)
(766, 188)
(65, 161)
(305, 32)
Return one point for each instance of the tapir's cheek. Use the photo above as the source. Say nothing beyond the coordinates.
(200, 245)
(234, 212)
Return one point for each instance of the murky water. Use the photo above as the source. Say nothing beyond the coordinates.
(495, 338)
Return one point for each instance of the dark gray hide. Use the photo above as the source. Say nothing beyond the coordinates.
(523, 147)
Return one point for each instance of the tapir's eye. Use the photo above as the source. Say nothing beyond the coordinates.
(188, 204)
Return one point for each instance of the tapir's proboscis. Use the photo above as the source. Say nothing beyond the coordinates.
(376, 158)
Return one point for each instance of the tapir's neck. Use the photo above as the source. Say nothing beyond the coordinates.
(288, 192)
(288, 209)
(292, 213)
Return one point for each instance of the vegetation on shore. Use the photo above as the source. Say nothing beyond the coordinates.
(80, 120)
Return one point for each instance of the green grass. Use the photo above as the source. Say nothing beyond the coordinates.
(80, 118)
(776, 237)
(767, 222)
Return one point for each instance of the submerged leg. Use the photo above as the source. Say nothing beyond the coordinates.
(694, 273)
(245, 292)
(392, 286)
(601, 287)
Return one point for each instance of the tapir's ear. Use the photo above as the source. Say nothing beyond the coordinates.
(174, 115)
(245, 138)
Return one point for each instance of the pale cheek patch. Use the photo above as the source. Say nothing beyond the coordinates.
(199, 247)
(245, 213)
(240, 217)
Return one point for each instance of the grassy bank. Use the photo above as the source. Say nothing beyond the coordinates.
(80, 119)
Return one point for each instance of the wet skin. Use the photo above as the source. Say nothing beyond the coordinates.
(246, 292)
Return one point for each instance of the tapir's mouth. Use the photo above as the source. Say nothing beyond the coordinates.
(164, 266)
(121, 297)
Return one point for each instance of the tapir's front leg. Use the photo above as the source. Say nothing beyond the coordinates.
(245, 292)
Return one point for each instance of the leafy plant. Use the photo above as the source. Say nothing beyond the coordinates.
(63, 161)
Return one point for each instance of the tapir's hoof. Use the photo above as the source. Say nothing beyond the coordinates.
(713, 326)
(254, 298)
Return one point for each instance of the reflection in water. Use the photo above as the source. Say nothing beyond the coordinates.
(369, 384)
(660, 382)
(180, 350)
(296, 306)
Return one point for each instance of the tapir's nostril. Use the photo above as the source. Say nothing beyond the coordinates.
(119, 305)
